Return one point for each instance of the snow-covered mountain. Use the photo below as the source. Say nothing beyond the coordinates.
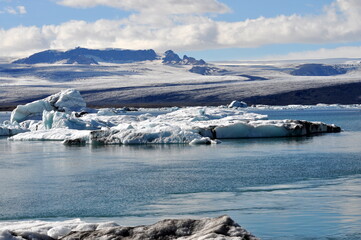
(89, 56)
(95, 56)
(169, 80)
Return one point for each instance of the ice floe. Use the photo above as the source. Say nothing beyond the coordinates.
(222, 227)
(60, 120)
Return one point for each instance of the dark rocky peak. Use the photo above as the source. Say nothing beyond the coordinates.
(206, 70)
(171, 57)
(192, 61)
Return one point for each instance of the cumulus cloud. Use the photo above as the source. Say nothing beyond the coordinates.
(183, 26)
(156, 6)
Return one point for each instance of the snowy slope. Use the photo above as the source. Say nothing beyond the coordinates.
(152, 83)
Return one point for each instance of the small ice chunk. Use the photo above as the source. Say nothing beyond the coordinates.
(84, 227)
(59, 231)
(204, 140)
(106, 225)
(237, 104)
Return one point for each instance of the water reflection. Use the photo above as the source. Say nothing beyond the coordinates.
(315, 209)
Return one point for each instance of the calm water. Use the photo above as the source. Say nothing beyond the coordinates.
(298, 188)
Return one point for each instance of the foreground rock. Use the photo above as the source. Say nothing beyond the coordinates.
(186, 229)
(222, 227)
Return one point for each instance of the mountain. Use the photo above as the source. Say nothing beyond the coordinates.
(313, 69)
(171, 57)
(89, 56)
(94, 56)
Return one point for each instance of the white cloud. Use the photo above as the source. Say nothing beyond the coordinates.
(14, 11)
(21, 9)
(164, 7)
(10, 10)
(180, 25)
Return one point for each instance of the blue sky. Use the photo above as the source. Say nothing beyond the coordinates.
(208, 29)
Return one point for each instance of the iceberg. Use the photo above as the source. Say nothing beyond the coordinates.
(64, 101)
(188, 125)
(237, 104)
(222, 227)
(9, 129)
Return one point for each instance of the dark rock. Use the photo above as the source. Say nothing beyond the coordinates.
(209, 228)
(205, 70)
(192, 61)
(318, 70)
(171, 57)
(80, 114)
(74, 142)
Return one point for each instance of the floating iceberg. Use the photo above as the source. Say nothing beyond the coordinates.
(207, 228)
(64, 101)
(9, 129)
(189, 125)
(237, 104)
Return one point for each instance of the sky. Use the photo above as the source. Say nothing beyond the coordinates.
(214, 30)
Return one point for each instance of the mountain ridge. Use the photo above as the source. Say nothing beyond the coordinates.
(94, 56)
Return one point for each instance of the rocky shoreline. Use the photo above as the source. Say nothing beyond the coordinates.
(222, 227)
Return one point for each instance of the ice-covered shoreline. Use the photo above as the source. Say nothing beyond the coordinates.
(222, 227)
(65, 117)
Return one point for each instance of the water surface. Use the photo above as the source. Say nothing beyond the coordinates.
(284, 188)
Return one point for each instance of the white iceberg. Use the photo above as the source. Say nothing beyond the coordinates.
(237, 104)
(64, 101)
(189, 125)
(9, 129)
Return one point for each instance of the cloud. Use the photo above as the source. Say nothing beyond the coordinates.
(181, 25)
(165, 7)
(14, 11)
(21, 9)
(10, 10)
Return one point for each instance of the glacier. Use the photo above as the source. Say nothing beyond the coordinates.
(64, 117)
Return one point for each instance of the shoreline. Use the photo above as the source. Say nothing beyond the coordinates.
(345, 94)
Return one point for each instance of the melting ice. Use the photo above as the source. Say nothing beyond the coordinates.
(64, 117)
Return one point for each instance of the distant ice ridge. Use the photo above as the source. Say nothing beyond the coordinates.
(222, 227)
(189, 125)
(319, 106)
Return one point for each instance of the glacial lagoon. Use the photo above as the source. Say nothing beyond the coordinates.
(279, 188)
